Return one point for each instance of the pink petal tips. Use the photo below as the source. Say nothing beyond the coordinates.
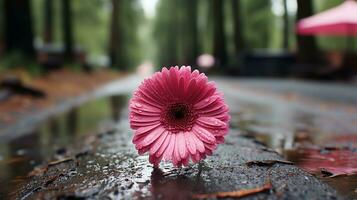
(178, 116)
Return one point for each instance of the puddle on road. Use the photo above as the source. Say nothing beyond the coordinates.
(293, 133)
(18, 157)
(329, 165)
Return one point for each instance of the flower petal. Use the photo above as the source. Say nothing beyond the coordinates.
(164, 146)
(211, 122)
(205, 102)
(203, 134)
(176, 154)
(145, 119)
(181, 142)
(190, 89)
(174, 79)
(150, 138)
(158, 143)
(168, 153)
(199, 144)
(146, 129)
(190, 142)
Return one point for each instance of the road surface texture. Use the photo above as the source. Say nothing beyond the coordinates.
(113, 169)
(105, 165)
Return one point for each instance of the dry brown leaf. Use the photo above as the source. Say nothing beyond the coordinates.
(38, 171)
(56, 162)
(14, 160)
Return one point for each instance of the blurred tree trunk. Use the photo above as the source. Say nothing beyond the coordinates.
(258, 23)
(285, 26)
(307, 49)
(237, 24)
(172, 37)
(193, 47)
(114, 35)
(165, 32)
(67, 29)
(48, 24)
(1, 29)
(18, 29)
(219, 38)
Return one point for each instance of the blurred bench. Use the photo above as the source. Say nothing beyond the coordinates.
(52, 58)
(266, 63)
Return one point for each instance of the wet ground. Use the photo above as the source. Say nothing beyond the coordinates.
(84, 152)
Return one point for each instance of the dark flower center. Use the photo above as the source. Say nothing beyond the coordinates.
(178, 117)
(178, 112)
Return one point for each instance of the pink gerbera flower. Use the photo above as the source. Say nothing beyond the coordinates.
(177, 115)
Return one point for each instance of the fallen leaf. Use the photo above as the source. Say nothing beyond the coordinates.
(56, 162)
(234, 194)
(267, 162)
(14, 160)
(38, 171)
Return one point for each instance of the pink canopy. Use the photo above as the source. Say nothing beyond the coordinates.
(341, 20)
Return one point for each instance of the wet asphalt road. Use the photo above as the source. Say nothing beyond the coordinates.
(106, 165)
(113, 170)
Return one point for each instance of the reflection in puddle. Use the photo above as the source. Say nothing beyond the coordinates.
(336, 167)
(288, 128)
(179, 187)
(49, 140)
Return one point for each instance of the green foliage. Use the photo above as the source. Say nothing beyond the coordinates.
(166, 32)
(205, 26)
(176, 32)
(257, 23)
(130, 17)
(91, 27)
(1, 20)
(91, 22)
(172, 28)
(170, 37)
(38, 15)
(18, 60)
